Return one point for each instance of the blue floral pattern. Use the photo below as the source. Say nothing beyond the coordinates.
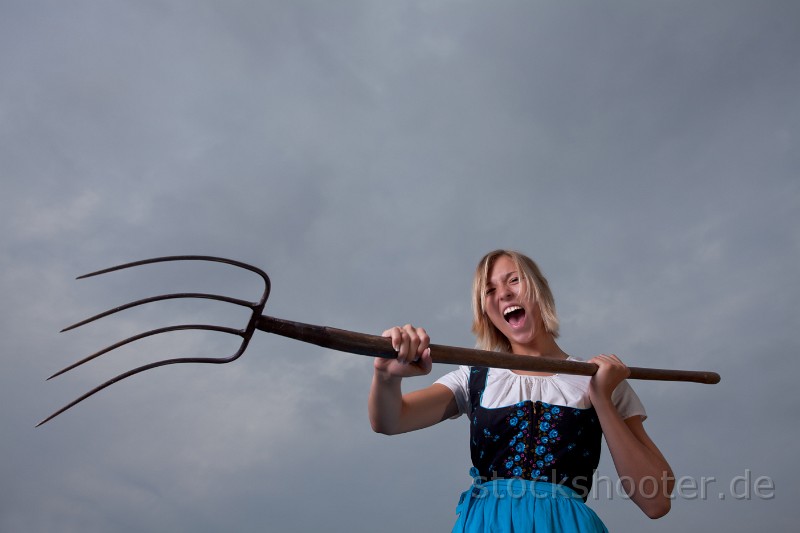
(530, 453)
(533, 440)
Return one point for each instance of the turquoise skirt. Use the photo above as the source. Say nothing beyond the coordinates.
(519, 505)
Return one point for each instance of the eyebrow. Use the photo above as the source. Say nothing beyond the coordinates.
(505, 277)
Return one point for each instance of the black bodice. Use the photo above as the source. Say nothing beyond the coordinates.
(533, 440)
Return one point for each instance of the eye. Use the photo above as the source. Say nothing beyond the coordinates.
(515, 279)
(489, 290)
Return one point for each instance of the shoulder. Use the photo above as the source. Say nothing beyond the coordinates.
(457, 378)
(625, 399)
(458, 383)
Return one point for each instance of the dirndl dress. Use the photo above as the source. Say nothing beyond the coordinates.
(533, 464)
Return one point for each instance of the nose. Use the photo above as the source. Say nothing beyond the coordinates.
(506, 292)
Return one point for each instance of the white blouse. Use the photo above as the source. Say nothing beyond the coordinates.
(504, 387)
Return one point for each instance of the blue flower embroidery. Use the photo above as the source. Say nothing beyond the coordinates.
(540, 450)
(548, 458)
(517, 471)
(553, 433)
(544, 426)
(513, 421)
(520, 447)
(556, 410)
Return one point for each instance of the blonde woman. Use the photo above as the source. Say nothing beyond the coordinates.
(535, 437)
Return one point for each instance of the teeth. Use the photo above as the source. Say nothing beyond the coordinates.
(511, 309)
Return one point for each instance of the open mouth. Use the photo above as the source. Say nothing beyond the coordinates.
(514, 315)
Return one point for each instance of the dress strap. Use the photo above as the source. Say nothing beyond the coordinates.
(477, 384)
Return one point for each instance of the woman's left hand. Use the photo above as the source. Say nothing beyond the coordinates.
(610, 373)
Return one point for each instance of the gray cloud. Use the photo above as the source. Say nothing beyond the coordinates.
(366, 155)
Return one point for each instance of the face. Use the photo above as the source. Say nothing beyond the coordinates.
(506, 305)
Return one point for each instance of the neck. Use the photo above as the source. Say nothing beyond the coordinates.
(546, 347)
(541, 346)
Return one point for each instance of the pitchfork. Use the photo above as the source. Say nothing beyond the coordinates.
(337, 339)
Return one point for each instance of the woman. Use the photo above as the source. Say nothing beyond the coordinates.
(535, 437)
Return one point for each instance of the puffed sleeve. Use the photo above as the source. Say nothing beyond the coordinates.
(458, 382)
(627, 401)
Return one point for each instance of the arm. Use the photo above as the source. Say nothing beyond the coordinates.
(643, 470)
(391, 411)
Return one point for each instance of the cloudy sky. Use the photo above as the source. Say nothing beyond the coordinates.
(366, 154)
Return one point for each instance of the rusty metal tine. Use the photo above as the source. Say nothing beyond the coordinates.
(133, 338)
(130, 373)
(209, 258)
(168, 258)
(154, 260)
(247, 333)
(143, 301)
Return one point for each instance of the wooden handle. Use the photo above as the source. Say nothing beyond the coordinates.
(376, 346)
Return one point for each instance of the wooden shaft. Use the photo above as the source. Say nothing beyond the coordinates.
(376, 346)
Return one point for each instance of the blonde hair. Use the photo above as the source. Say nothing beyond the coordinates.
(488, 337)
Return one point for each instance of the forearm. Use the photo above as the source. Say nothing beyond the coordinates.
(391, 412)
(643, 471)
(385, 403)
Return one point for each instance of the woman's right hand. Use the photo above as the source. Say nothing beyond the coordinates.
(413, 353)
